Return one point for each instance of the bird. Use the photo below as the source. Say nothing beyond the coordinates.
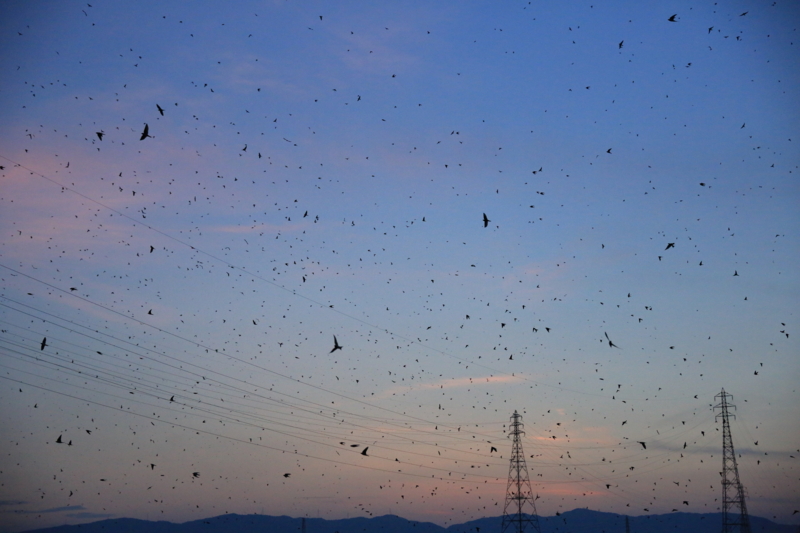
(608, 151)
(152, 466)
(735, 272)
(492, 449)
(620, 43)
(89, 431)
(58, 440)
(364, 451)
(172, 399)
(335, 345)
(670, 245)
(160, 110)
(485, 220)
(610, 344)
(151, 249)
(99, 134)
(624, 422)
(643, 444)
(145, 132)
(672, 18)
(44, 342)
(150, 312)
(195, 474)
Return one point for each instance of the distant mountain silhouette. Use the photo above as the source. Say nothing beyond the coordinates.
(575, 521)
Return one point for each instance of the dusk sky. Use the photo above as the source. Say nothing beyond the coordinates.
(321, 169)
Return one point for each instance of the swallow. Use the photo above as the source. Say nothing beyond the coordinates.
(643, 444)
(160, 110)
(620, 43)
(335, 345)
(364, 452)
(485, 220)
(610, 344)
(672, 18)
(492, 449)
(670, 245)
(44, 342)
(287, 474)
(99, 134)
(59, 441)
(145, 133)
(195, 474)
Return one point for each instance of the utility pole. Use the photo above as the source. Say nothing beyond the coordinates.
(518, 491)
(734, 510)
(627, 524)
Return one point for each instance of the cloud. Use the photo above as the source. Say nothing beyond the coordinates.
(12, 502)
(50, 510)
(89, 515)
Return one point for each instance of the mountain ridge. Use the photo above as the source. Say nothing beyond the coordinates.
(574, 521)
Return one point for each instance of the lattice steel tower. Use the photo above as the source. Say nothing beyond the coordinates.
(519, 496)
(734, 509)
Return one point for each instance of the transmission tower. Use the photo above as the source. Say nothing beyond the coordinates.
(518, 491)
(734, 509)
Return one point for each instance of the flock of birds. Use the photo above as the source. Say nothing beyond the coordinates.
(164, 347)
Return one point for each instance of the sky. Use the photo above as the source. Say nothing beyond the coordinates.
(583, 212)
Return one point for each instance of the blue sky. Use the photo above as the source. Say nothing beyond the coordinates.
(312, 177)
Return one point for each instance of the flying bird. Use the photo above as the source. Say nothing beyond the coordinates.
(99, 134)
(44, 342)
(492, 449)
(620, 43)
(287, 474)
(145, 132)
(364, 451)
(195, 474)
(58, 440)
(160, 110)
(611, 344)
(670, 245)
(643, 444)
(335, 345)
(485, 220)
(672, 18)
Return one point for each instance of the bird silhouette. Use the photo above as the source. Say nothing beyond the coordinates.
(485, 220)
(620, 43)
(335, 345)
(610, 344)
(99, 134)
(58, 440)
(672, 18)
(44, 342)
(364, 451)
(195, 474)
(287, 474)
(160, 110)
(492, 449)
(643, 444)
(145, 132)
(670, 245)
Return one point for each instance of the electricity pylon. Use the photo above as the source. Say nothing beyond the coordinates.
(734, 509)
(518, 491)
